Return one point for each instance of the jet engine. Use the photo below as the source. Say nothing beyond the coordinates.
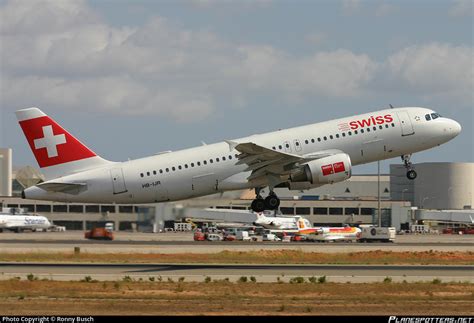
(327, 170)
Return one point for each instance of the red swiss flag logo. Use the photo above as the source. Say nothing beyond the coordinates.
(51, 144)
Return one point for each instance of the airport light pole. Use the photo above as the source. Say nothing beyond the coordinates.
(378, 194)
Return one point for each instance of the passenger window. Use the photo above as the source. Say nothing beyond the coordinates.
(147, 173)
(349, 133)
(319, 139)
(273, 148)
(331, 137)
(280, 147)
(211, 160)
(380, 127)
(230, 157)
(355, 132)
(343, 134)
(179, 167)
(361, 130)
(287, 146)
(192, 164)
(312, 140)
(167, 170)
(185, 165)
(325, 138)
(141, 175)
(217, 159)
(375, 128)
(368, 129)
(306, 141)
(154, 172)
(386, 126)
(337, 135)
(173, 168)
(204, 162)
(161, 171)
(393, 125)
(199, 163)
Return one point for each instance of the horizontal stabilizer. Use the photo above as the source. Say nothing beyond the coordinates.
(68, 188)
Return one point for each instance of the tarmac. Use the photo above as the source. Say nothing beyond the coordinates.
(180, 242)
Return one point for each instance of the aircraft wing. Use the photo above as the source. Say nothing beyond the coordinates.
(267, 162)
(68, 188)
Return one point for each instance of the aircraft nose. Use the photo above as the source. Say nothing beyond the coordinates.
(454, 128)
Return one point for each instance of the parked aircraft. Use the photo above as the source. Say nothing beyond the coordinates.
(277, 222)
(19, 221)
(346, 233)
(297, 158)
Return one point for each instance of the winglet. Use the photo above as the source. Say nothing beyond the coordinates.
(232, 144)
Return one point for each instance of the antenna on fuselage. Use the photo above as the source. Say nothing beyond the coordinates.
(391, 106)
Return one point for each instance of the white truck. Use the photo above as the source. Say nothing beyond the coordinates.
(372, 233)
(243, 236)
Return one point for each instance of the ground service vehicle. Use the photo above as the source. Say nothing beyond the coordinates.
(99, 234)
(377, 234)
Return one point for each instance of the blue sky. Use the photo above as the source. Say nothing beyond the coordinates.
(132, 78)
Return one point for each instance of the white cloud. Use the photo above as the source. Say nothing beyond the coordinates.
(77, 61)
(438, 69)
(462, 8)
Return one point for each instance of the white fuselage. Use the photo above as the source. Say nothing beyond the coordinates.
(213, 168)
(12, 222)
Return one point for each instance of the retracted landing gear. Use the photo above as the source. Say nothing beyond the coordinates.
(411, 173)
(271, 202)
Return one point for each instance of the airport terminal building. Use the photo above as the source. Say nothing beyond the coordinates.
(442, 195)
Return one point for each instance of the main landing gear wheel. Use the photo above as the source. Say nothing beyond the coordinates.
(272, 202)
(258, 205)
(411, 174)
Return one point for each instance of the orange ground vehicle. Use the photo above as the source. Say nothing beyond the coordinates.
(99, 234)
(199, 236)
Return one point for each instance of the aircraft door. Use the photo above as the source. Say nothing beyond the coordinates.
(204, 183)
(405, 123)
(373, 150)
(287, 146)
(118, 181)
(161, 193)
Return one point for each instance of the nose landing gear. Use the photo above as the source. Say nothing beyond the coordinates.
(271, 202)
(411, 173)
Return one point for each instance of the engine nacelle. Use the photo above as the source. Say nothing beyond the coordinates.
(327, 170)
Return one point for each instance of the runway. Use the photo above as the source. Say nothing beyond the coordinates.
(262, 273)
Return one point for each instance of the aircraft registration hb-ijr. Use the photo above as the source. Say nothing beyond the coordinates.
(297, 158)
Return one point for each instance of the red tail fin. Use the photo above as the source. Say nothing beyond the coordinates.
(52, 145)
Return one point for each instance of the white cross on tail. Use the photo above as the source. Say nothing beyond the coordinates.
(50, 141)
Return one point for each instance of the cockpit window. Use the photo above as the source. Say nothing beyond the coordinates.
(435, 115)
(428, 117)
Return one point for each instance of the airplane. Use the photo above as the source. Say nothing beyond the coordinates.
(276, 223)
(327, 234)
(19, 221)
(297, 158)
